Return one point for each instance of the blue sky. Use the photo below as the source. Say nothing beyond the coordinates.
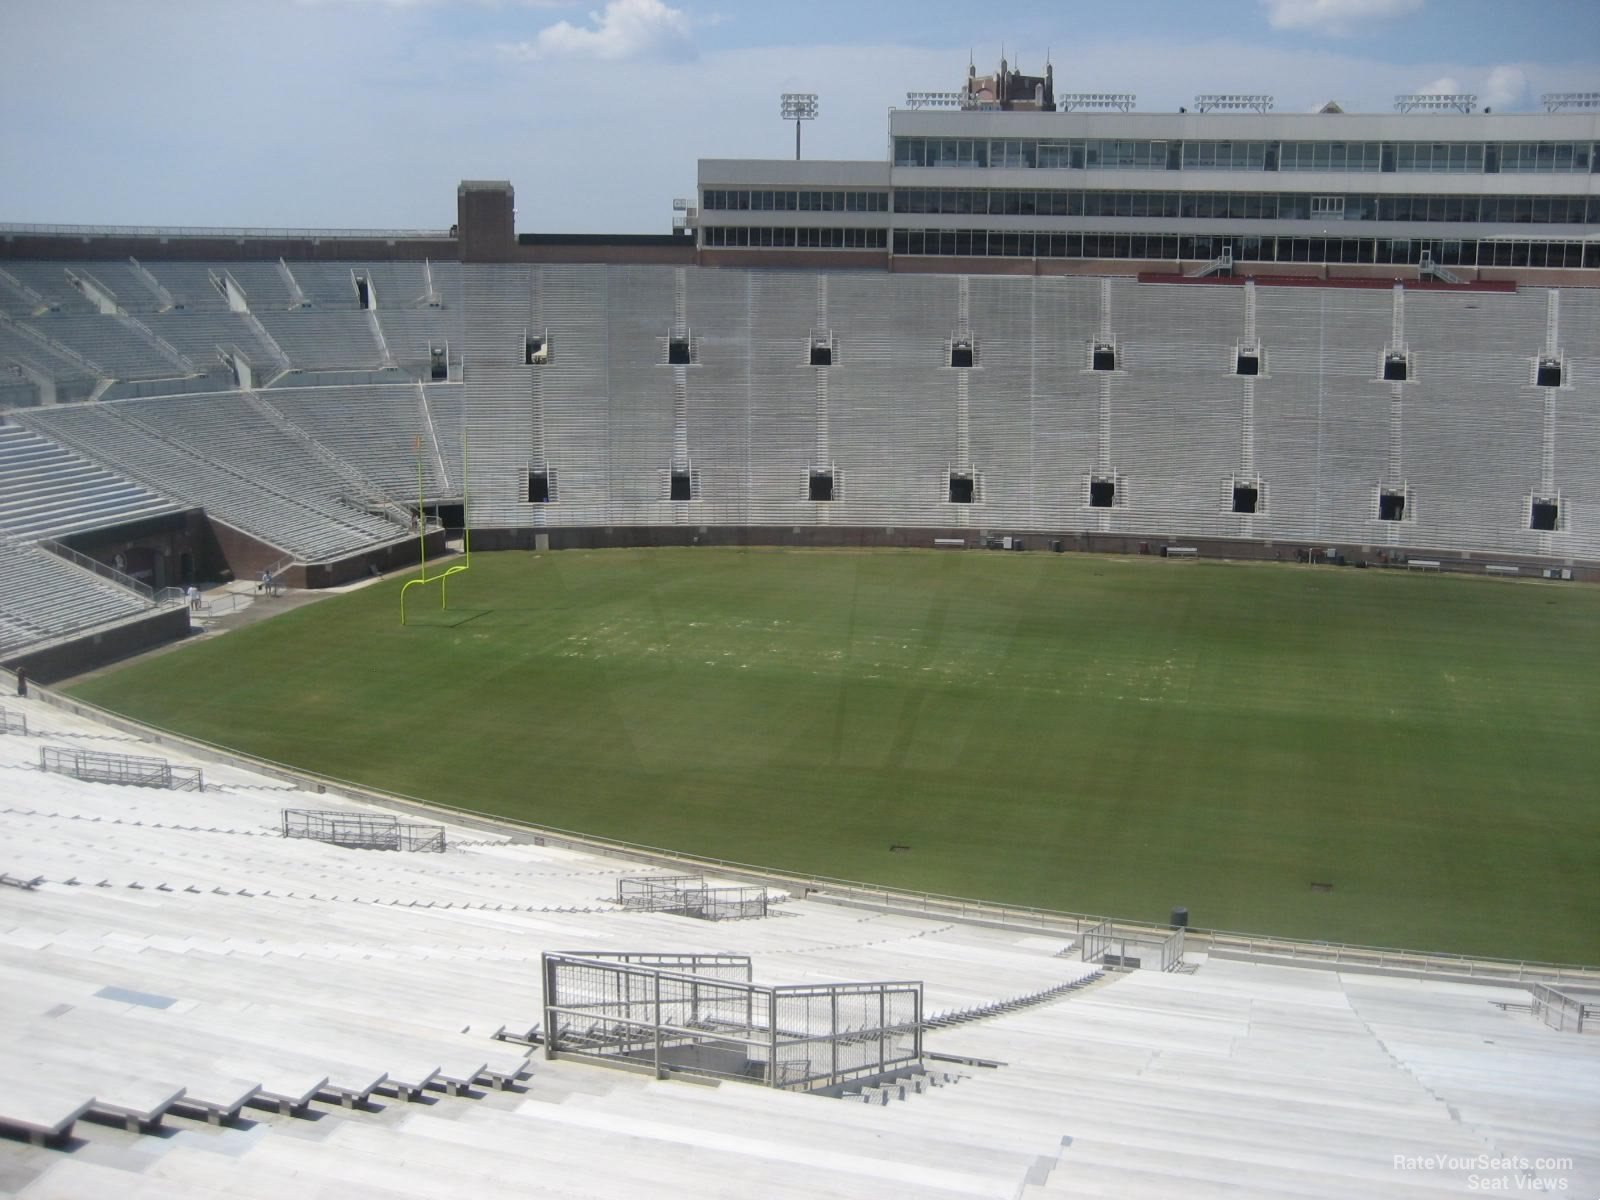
(362, 113)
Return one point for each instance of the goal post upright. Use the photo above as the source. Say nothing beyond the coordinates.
(422, 534)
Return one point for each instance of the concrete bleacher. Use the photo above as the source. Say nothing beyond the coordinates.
(42, 357)
(290, 1014)
(218, 452)
(376, 429)
(1317, 431)
(47, 491)
(61, 333)
(320, 338)
(43, 597)
(109, 343)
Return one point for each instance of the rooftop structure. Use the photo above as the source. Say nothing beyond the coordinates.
(1011, 168)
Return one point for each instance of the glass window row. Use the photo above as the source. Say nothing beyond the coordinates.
(1474, 158)
(780, 200)
(820, 239)
(1270, 206)
(1464, 252)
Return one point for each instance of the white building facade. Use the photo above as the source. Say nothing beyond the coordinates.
(1477, 195)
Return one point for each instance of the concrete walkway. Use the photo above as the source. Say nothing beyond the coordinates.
(245, 605)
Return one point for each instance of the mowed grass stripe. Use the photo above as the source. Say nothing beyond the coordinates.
(1098, 734)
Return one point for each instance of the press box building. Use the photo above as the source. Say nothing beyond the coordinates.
(1010, 175)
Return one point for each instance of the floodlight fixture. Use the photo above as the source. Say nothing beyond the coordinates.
(1436, 102)
(936, 99)
(1555, 101)
(1233, 101)
(1070, 101)
(797, 107)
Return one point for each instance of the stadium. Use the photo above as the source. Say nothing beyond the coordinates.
(1121, 671)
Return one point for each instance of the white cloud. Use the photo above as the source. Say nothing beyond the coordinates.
(492, 4)
(626, 30)
(1445, 85)
(1337, 18)
(1506, 86)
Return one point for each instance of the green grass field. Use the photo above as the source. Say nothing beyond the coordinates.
(1111, 735)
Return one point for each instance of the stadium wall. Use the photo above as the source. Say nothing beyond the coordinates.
(62, 660)
(247, 556)
(390, 557)
(1066, 541)
(153, 551)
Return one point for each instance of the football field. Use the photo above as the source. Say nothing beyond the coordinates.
(1362, 756)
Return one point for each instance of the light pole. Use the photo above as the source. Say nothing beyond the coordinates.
(797, 107)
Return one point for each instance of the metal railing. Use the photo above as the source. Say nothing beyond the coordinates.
(95, 566)
(876, 896)
(130, 770)
(1569, 1014)
(1109, 946)
(701, 1015)
(168, 595)
(691, 896)
(361, 831)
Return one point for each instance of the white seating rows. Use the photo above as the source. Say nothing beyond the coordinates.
(109, 344)
(180, 963)
(42, 596)
(42, 358)
(47, 491)
(331, 333)
(376, 429)
(398, 285)
(1467, 435)
(216, 451)
(1320, 434)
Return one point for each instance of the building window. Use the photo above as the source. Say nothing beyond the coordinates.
(721, 200)
(784, 237)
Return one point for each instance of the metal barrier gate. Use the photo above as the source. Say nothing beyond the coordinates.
(700, 1014)
(691, 896)
(132, 770)
(361, 831)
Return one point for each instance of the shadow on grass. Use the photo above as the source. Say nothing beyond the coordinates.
(447, 618)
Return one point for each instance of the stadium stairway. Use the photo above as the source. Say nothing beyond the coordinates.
(1000, 1007)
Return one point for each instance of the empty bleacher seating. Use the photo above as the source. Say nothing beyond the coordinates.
(275, 1003)
(47, 491)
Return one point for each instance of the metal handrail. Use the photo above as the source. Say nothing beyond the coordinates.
(94, 565)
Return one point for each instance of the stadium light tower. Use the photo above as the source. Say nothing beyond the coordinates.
(797, 107)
